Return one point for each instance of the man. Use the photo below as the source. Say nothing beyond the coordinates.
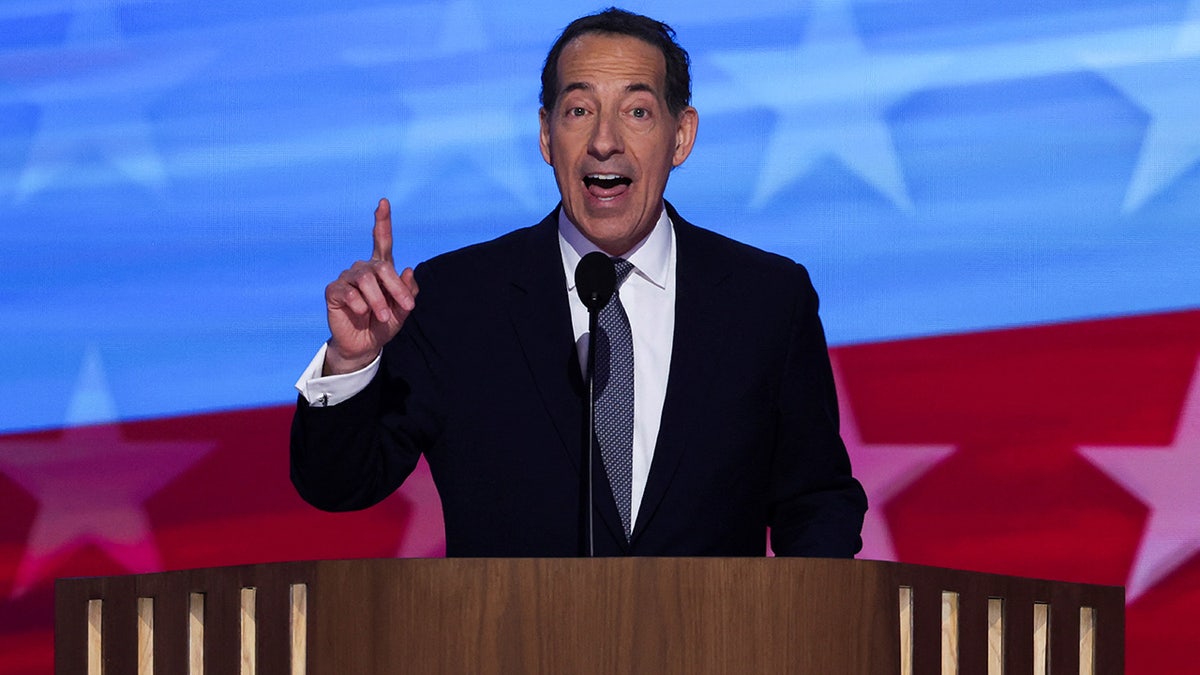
(730, 416)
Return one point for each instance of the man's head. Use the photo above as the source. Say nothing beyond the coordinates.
(615, 120)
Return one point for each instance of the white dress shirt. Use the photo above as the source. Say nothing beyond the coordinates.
(648, 295)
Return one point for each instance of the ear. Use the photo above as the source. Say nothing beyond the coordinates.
(685, 134)
(544, 135)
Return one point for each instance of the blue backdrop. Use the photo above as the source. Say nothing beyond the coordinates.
(179, 180)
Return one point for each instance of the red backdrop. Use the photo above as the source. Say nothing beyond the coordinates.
(1068, 452)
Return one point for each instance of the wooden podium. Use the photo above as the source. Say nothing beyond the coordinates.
(610, 615)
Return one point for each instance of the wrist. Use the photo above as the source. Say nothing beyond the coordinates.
(339, 364)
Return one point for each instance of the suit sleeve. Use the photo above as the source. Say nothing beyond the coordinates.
(817, 506)
(354, 454)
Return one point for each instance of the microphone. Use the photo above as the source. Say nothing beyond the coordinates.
(595, 282)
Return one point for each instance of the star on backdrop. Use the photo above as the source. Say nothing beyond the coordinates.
(486, 125)
(93, 128)
(1165, 479)
(885, 470)
(489, 126)
(90, 484)
(831, 99)
(1160, 77)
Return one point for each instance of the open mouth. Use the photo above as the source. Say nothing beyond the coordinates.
(606, 181)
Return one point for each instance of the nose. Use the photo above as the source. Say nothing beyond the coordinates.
(606, 138)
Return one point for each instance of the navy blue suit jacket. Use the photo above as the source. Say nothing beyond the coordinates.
(485, 381)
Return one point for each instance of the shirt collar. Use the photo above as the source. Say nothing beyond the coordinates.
(650, 257)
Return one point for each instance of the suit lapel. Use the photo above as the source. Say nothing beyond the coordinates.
(541, 317)
(542, 321)
(698, 336)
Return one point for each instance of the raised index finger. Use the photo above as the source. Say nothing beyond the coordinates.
(383, 232)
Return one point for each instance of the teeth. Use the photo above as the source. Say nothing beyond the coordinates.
(606, 181)
(606, 178)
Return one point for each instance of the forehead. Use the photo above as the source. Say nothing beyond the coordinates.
(598, 59)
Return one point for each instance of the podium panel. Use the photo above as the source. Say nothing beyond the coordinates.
(615, 615)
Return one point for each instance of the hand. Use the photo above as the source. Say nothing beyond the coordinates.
(368, 303)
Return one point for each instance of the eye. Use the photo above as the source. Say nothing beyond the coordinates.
(640, 113)
(577, 111)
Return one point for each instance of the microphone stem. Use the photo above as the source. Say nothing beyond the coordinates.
(593, 319)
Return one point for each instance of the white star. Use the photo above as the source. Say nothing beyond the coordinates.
(831, 98)
(885, 470)
(1159, 75)
(93, 93)
(488, 125)
(90, 485)
(1166, 480)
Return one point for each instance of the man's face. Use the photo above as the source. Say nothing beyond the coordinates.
(611, 139)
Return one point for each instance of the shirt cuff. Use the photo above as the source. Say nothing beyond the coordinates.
(325, 390)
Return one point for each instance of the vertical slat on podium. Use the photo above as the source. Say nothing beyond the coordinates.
(248, 630)
(1087, 641)
(995, 635)
(906, 629)
(950, 632)
(298, 628)
(145, 635)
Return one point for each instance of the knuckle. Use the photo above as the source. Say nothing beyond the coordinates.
(338, 289)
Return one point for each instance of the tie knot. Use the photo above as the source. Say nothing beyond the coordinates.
(622, 267)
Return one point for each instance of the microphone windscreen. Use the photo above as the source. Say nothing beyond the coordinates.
(595, 280)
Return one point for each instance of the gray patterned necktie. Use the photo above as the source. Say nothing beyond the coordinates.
(614, 397)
